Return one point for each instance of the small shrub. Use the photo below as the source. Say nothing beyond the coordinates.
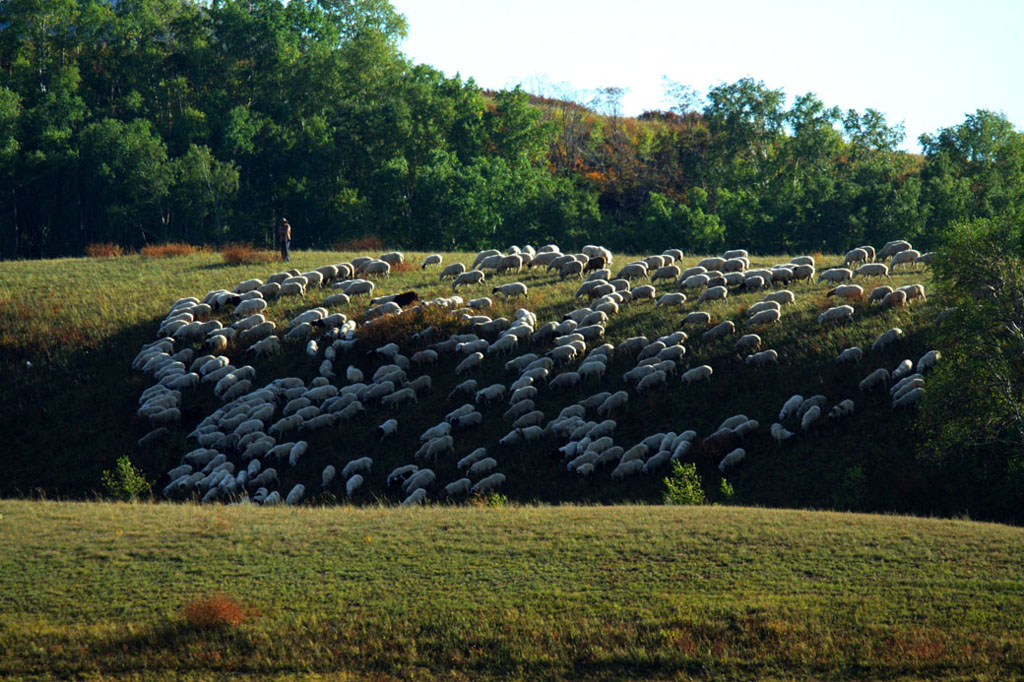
(214, 611)
(495, 499)
(125, 482)
(683, 486)
(725, 489)
(247, 254)
(104, 250)
(169, 250)
(368, 242)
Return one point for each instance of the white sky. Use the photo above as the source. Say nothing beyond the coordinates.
(925, 63)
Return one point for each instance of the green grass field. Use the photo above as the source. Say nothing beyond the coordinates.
(80, 322)
(98, 590)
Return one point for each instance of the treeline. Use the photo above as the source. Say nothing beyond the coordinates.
(142, 121)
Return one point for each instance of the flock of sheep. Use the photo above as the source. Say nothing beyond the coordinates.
(260, 429)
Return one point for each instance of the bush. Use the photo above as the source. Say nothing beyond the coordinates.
(215, 611)
(104, 250)
(682, 486)
(125, 482)
(368, 242)
(247, 254)
(725, 489)
(169, 250)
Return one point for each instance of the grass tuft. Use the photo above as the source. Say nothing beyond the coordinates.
(104, 250)
(246, 254)
(170, 250)
(214, 611)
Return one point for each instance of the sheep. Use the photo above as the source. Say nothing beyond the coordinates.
(764, 317)
(851, 355)
(839, 313)
(761, 306)
(732, 459)
(644, 292)
(748, 342)
(363, 465)
(835, 275)
(843, 409)
(489, 483)
(763, 359)
(628, 468)
(564, 380)
(872, 270)
(879, 376)
(296, 494)
(467, 278)
(928, 360)
(466, 388)
(632, 271)
(510, 290)
(719, 331)
(697, 374)
(779, 433)
(903, 369)
(471, 361)
(433, 259)
(490, 394)
(904, 257)
(697, 317)
(892, 248)
(810, 416)
(855, 256)
(887, 338)
(913, 291)
(848, 291)
(909, 398)
(790, 407)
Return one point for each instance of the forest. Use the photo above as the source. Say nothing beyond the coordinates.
(145, 121)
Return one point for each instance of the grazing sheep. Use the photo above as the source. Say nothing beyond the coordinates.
(855, 256)
(732, 459)
(510, 290)
(902, 370)
(452, 271)
(719, 331)
(715, 293)
(843, 409)
(697, 317)
(644, 292)
(764, 317)
(433, 259)
(835, 275)
(467, 278)
(748, 342)
(459, 487)
(472, 361)
(909, 398)
(564, 380)
(790, 407)
(810, 416)
(782, 297)
(880, 376)
(839, 313)
(489, 483)
(892, 248)
(698, 374)
(354, 483)
(848, 291)
(928, 360)
(632, 271)
(878, 294)
(851, 355)
(417, 496)
(907, 256)
(363, 465)
(296, 494)
(872, 270)
(887, 338)
(628, 468)
(779, 433)
(761, 306)
(913, 291)
(763, 359)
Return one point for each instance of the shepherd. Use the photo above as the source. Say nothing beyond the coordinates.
(284, 235)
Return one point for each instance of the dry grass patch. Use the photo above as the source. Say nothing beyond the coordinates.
(170, 250)
(214, 611)
(104, 250)
(247, 254)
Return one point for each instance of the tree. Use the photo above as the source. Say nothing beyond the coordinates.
(980, 267)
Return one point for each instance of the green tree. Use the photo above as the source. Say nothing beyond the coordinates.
(683, 485)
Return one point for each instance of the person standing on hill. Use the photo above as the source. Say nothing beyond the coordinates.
(284, 235)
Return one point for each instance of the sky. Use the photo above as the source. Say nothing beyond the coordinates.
(926, 64)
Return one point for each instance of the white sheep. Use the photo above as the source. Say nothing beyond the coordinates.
(511, 290)
(764, 358)
(851, 355)
(362, 465)
(842, 409)
(903, 369)
(887, 338)
(835, 275)
(460, 487)
(470, 362)
(700, 373)
(928, 360)
(764, 317)
(880, 376)
(732, 459)
(655, 379)
(909, 398)
(489, 483)
(467, 278)
(790, 407)
(628, 468)
(715, 293)
(296, 494)
(810, 416)
(779, 433)
(719, 331)
(838, 313)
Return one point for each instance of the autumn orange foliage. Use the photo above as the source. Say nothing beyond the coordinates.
(104, 250)
(214, 611)
(246, 254)
(169, 250)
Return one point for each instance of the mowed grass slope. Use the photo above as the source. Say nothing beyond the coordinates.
(81, 321)
(99, 590)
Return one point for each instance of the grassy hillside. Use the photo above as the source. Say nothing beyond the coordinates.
(79, 322)
(99, 590)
